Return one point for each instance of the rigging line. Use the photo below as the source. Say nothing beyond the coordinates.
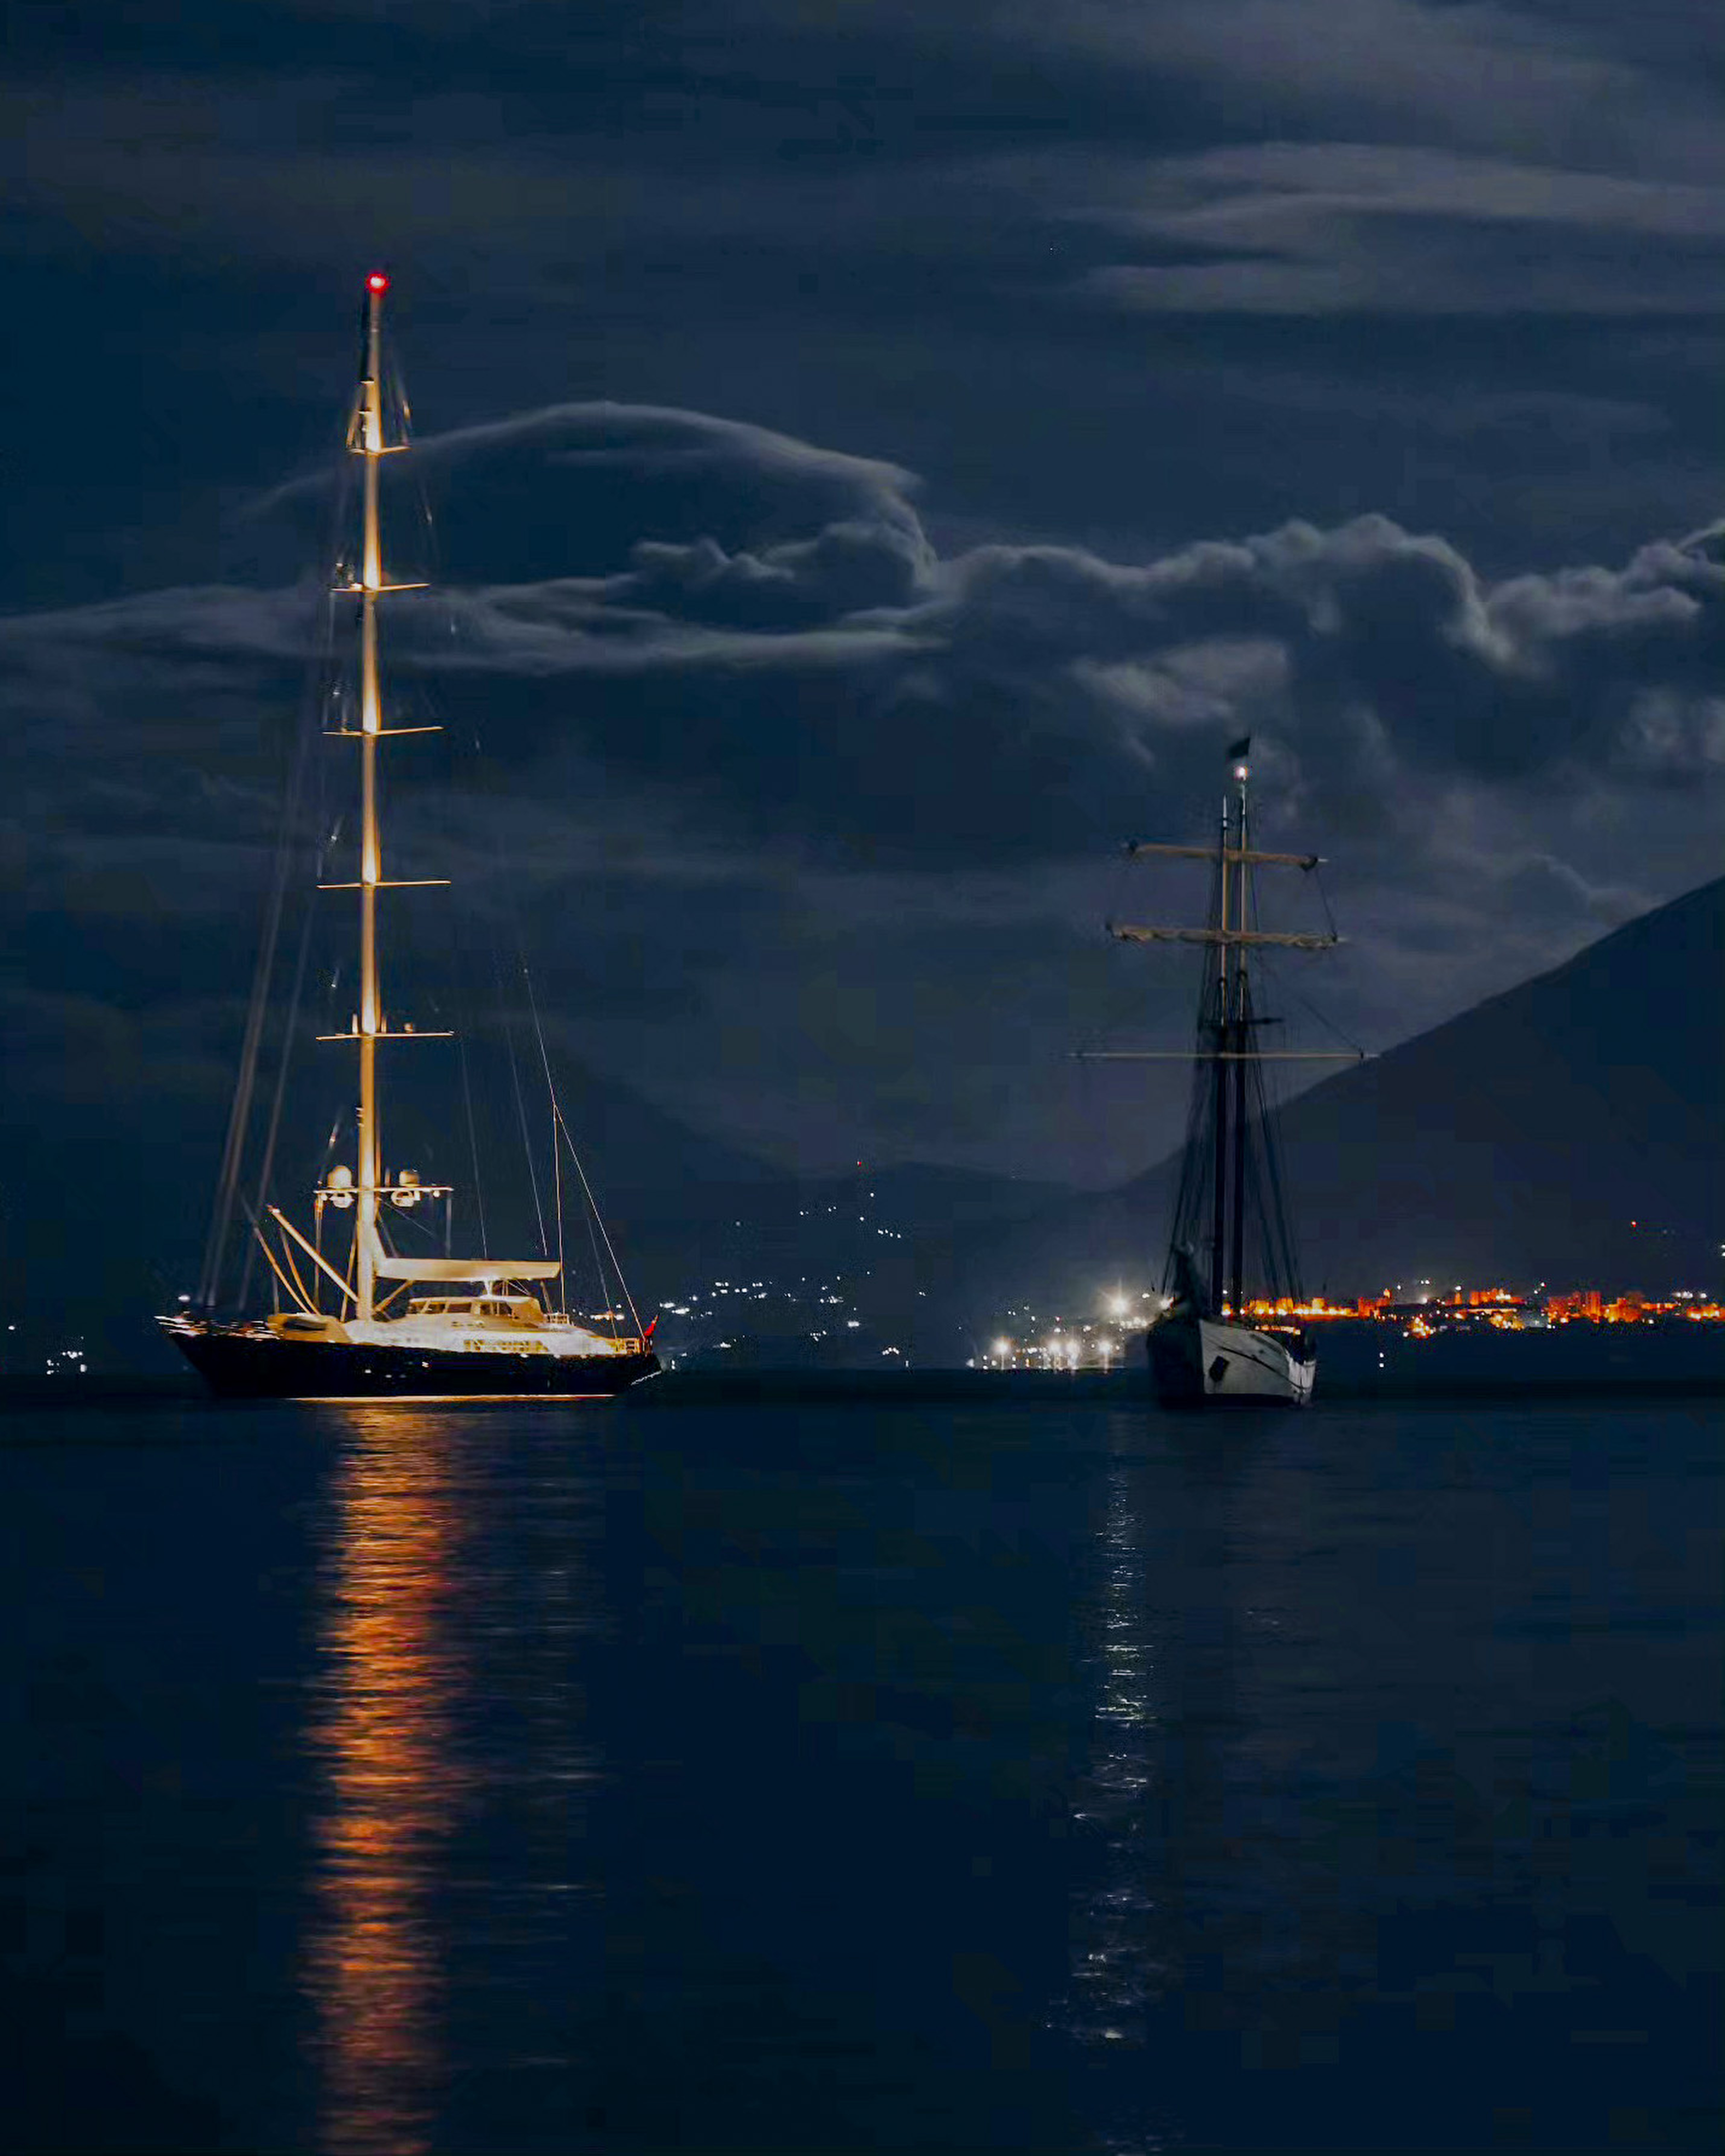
(302, 767)
(483, 788)
(593, 1215)
(520, 1103)
(539, 1036)
(267, 1166)
(238, 1118)
(1116, 896)
(1270, 1268)
(306, 1303)
(1284, 988)
(467, 992)
(1190, 1207)
(520, 959)
(595, 1222)
(478, 1189)
(275, 1268)
(1284, 1251)
(239, 1109)
(556, 1170)
(589, 1215)
(1329, 917)
(590, 1212)
(556, 1118)
(403, 1222)
(257, 1013)
(287, 1260)
(310, 693)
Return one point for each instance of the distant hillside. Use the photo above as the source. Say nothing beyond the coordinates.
(884, 1241)
(1572, 1129)
(103, 1216)
(1527, 1135)
(1521, 1139)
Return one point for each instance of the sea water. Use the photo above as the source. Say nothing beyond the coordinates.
(793, 1777)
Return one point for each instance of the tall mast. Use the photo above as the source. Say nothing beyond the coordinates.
(367, 441)
(1219, 1248)
(1220, 1143)
(1243, 1044)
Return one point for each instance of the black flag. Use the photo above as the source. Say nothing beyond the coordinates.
(1243, 746)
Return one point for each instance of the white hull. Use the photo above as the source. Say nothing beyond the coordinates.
(1195, 1360)
(512, 1326)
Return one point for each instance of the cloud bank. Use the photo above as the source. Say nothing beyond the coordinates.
(843, 804)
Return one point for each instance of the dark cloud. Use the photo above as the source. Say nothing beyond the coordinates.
(849, 568)
(842, 639)
(835, 797)
(1023, 687)
(1090, 270)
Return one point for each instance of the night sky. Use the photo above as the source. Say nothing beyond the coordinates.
(881, 454)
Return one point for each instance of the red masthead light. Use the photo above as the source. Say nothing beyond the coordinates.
(377, 282)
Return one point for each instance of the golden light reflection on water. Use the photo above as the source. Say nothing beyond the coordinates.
(383, 1731)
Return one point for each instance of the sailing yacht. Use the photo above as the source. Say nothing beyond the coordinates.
(353, 1318)
(1226, 1333)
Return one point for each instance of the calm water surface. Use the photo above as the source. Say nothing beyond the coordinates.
(389, 1781)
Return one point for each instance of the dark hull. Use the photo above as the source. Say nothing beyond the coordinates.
(240, 1364)
(1176, 1367)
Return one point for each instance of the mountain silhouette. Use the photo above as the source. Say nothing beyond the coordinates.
(1569, 1130)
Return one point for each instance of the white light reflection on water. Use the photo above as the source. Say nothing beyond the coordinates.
(383, 1727)
(1118, 1973)
(1159, 1647)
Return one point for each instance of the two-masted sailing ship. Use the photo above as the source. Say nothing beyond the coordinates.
(1228, 1332)
(354, 1317)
